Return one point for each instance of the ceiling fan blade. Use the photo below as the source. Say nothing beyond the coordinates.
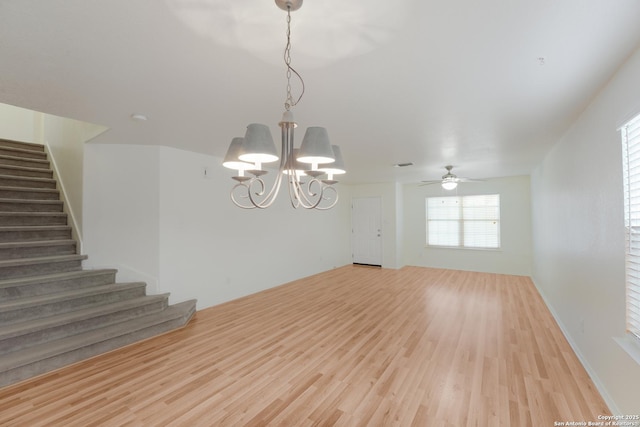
(470, 180)
(439, 181)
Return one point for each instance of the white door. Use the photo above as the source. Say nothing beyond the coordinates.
(366, 230)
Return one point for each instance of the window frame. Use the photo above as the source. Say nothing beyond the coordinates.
(630, 140)
(463, 238)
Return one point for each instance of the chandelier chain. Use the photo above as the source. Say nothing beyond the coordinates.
(289, 101)
(306, 187)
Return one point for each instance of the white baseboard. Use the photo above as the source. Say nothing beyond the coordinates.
(592, 374)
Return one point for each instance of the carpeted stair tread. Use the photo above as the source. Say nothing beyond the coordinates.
(32, 146)
(34, 227)
(45, 278)
(32, 213)
(28, 326)
(45, 191)
(6, 159)
(34, 232)
(41, 260)
(35, 301)
(36, 243)
(28, 181)
(16, 170)
(22, 152)
(62, 346)
(35, 248)
(52, 312)
(30, 205)
(33, 218)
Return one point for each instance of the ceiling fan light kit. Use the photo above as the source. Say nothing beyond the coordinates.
(315, 158)
(449, 183)
(449, 180)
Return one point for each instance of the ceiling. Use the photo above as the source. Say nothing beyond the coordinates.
(485, 86)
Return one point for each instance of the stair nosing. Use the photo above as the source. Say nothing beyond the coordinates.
(68, 344)
(29, 326)
(33, 227)
(33, 280)
(31, 201)
(25, 168)
(10, 214)
(25, 189)
(26, 302)
(27, 178)
(24, 150)
(41, 147)
(41, 260)
(24, 159)
(37, 243)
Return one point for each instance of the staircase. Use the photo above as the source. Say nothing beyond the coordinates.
(53, 313)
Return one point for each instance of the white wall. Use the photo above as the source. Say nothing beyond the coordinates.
(19, 124)
(578, 229)
(150, 210)
(122, 211)
(65, 140)
(514, 256)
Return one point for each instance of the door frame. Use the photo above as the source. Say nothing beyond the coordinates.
(380, 231)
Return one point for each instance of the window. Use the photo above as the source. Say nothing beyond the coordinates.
(464, 221)
(631, 169)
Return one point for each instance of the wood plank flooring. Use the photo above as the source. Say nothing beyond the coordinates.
(349, 347)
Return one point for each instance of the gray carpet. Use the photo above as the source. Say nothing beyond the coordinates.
(52, 312)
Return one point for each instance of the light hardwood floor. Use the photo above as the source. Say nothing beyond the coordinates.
(352, 346)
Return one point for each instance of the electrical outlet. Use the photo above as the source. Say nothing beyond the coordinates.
(582, 325)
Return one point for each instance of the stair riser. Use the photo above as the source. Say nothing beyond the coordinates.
(26, 194)
(92, 326)
(9, 181)
(39, 173)
(56, 285)
(30, 207)
(27, 371)
(27, 154)
(37, 251)
(71, 304)
(37, 269)
(63, 331)
(21, 145)
(34, 235)
(16, 220)
(27, 163)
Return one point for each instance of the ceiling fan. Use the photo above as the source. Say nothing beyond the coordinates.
(449, 180)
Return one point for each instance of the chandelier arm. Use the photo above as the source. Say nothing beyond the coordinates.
(293, 196)
(301, 197)
(310, 199)
(249, 191)
(233, 197)
(335, 201)
(268, 200)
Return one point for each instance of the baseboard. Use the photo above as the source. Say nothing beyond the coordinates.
(608, 400)
(75, 227)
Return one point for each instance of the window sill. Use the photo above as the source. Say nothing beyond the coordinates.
(631, 345)
(463, 248)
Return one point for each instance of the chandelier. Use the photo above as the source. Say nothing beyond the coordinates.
(309, 170)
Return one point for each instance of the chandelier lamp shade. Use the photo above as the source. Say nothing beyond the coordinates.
(308, 171)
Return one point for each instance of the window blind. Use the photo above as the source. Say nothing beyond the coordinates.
(631, 168)
(464, 221)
